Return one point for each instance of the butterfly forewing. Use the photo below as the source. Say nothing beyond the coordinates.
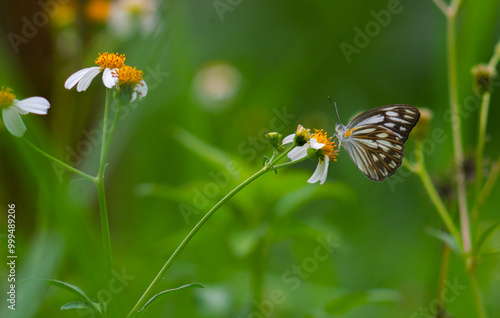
(375, 139)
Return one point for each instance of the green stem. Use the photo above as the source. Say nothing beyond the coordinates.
(64, 165)
(443, 274)
(105, 145)
(456, 123)
(421, 170)
(480, 147)
(478, 302)
(267, 167)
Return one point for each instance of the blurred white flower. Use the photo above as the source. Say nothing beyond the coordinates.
(128, 16)
(12, 109)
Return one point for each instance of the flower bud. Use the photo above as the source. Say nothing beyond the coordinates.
(483, 78)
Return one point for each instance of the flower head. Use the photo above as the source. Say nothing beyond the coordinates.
(300, 137)
(317, 147)
(107, 62)
(129, 84)
(12, 109)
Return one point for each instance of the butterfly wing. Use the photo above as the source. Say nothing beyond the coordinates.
(375, 139)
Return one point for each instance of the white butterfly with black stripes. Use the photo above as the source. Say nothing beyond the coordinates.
(375, 139)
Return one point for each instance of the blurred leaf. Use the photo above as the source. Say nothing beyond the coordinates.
(491, 253)
(76, 305)
(485, 235)
(294, 200)
(73, 289)
(352, 300)
(164, 293)
(445, 237)
(243, 243)
(206, 151)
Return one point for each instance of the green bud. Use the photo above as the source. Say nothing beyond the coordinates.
(275, 139)
(483, 78)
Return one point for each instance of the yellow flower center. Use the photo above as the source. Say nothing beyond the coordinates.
(329, 147)
(6, 97)
(110, 60)
(128, 76)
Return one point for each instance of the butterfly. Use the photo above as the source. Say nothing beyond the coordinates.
(375, 139)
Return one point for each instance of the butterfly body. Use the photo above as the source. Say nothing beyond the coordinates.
(375, 139)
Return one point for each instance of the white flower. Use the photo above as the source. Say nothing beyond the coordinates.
(322, 168)
(107, 64)
(129, 81)
(12, 109)
(127, 16)
(324, 151)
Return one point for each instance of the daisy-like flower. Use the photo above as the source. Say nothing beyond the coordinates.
(129, 84)
(318, 146)
(108, 62)
(12, 109)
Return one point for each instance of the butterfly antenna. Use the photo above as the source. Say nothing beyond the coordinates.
(334, 105)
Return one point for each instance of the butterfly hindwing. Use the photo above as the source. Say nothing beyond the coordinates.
(375, 139)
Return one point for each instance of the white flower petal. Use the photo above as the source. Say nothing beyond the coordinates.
(108, 79)
(298, 152)
(141, 89)
(288, 139)
(134, 96)
(321, 171)
(35, 105)
(13, 122)
(315, 144)
(75, 78)
(87, 78)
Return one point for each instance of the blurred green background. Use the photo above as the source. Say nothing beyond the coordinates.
(220, 75)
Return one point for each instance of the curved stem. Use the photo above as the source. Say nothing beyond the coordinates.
(267, 167)
(64, 165)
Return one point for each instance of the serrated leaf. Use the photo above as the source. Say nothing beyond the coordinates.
(445, 237)
(164, 293)
(74, 290)
(76, 305)
(346, 302)
(485, 235)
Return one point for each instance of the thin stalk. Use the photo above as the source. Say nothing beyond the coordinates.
(480, 147)
(64, 165)
(267, 167)
(478, 302)
(421, 170)
(456, 123)
(443, 274)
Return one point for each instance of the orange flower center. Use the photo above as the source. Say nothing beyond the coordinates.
(128, 75)
(6, 97)
(329, 147)
(108, 60)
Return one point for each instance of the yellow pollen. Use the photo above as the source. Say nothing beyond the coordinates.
(6, 97)
(329, 147)
(110, 60)
(128, 75)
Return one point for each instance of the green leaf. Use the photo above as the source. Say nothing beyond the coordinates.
(72, 289)
(164, 293)
(485, 235)
(351, 300)
(445, 237)
(76, 305)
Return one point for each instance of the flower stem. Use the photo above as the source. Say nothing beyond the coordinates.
(456, 122)
(421, 170)
(480, 146)
(105, 145)
(478, 302)
(267, 167)
(65, 165)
